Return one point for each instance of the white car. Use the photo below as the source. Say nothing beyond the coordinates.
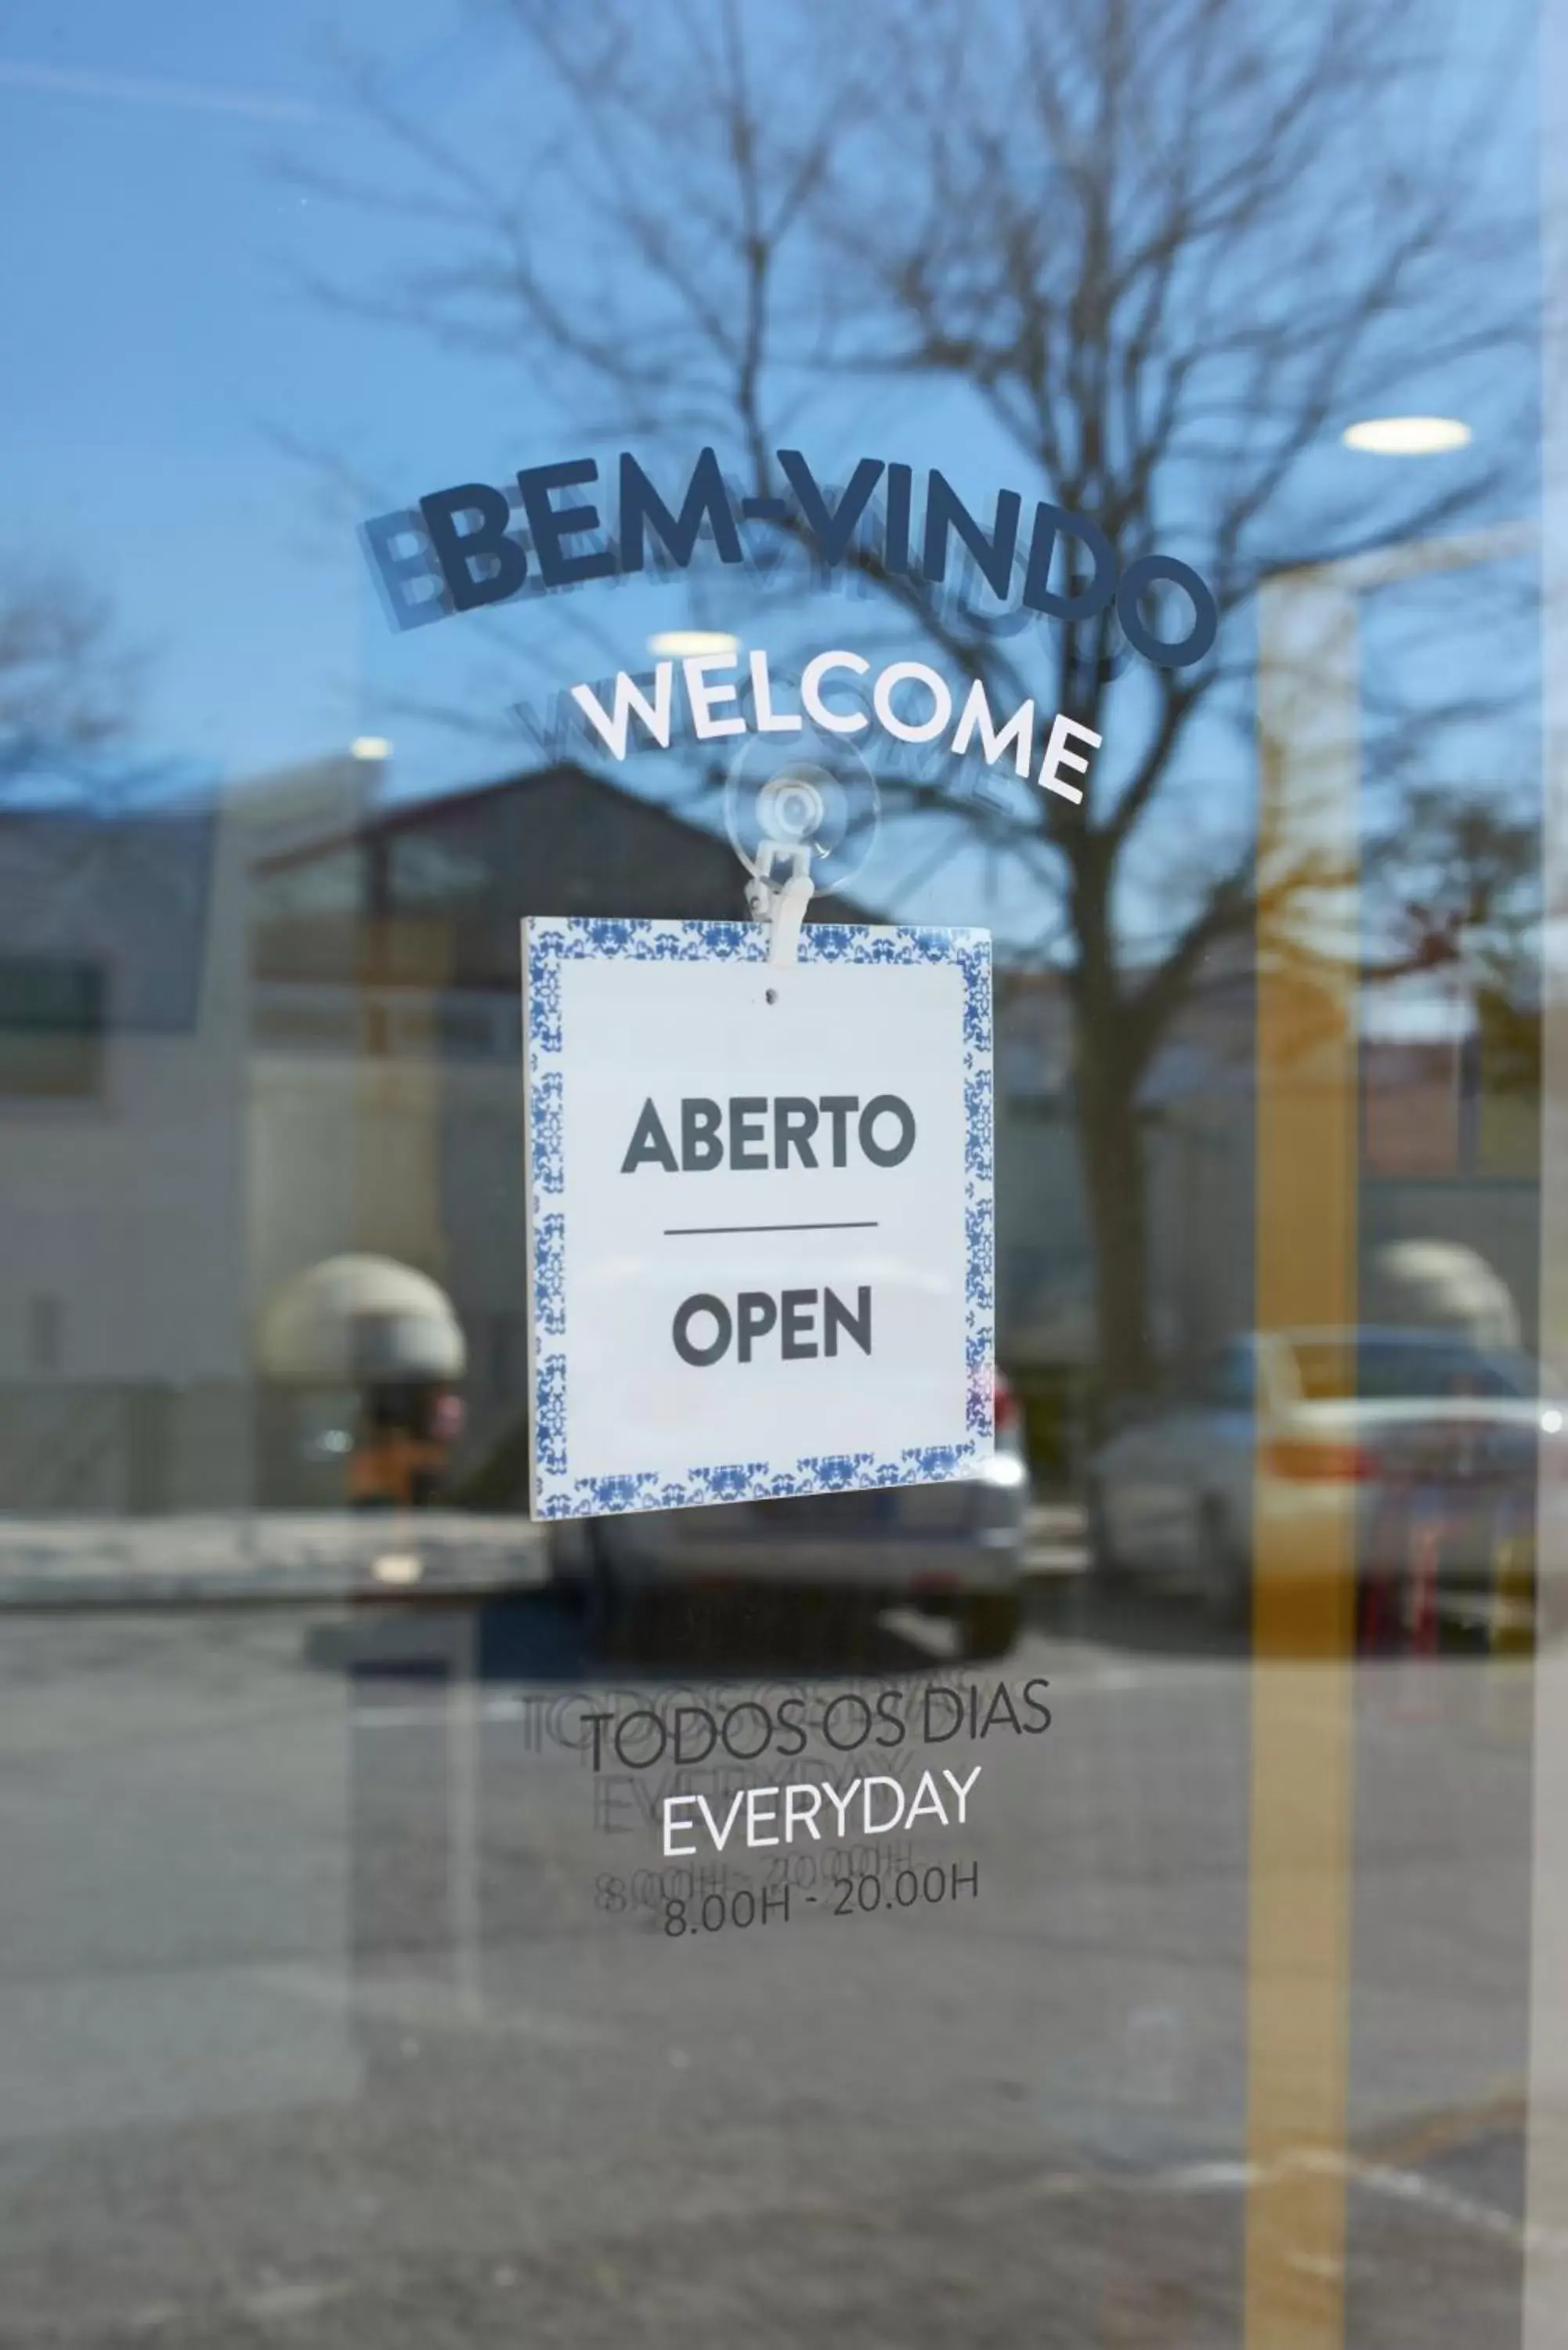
(1429, 1436)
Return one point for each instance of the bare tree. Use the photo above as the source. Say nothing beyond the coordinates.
(65, 686)
(1457, 883)
(1158, 251)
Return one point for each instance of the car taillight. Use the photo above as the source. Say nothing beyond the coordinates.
(1306, 1461)
(1005, 1404)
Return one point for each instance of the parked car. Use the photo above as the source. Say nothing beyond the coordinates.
(952, 1549)
(1279, 1429)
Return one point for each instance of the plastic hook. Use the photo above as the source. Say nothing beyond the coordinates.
(781, 903)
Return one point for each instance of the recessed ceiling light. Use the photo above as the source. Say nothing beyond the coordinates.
(369, 746)
(679, 644)
(1407, 436)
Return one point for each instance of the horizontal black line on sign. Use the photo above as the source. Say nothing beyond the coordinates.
(695, 1232)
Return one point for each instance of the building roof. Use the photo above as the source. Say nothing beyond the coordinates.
(434, 889)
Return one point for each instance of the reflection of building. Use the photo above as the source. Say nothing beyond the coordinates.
(1197, 1139)
(1450, 1119)
(241, 1038)
(124, 1342)
(387, 1102)
(1449, 1137)
(238, 1040)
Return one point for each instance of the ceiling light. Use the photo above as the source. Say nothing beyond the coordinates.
(1407, 436)
(679, 644)
(369, 746)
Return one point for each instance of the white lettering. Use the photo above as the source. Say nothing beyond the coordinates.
(926, 1802)
(1019, 731)
(718, 1840)
(711, 683)
(882, 1827)
(801, 1806)
(795, 1800)
(769, 719)
(756, 1797)
(676, 1851)
(936, 686)
(1057, 756)
(841, 1803)
(836, 722)
(630, 696)
(702, 696)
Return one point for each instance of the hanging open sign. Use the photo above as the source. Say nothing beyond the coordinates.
(759, 1211)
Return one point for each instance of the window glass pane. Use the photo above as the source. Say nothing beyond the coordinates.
(951, 1727)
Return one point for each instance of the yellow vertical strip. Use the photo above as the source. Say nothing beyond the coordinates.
(1304, 1606)
(1546, 2323)
(399, 1210)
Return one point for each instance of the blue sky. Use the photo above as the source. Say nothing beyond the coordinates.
(155, 299)
(169, 364)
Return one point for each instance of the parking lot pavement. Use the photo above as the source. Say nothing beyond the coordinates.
(338, 2003)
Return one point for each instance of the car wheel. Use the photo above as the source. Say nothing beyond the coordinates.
(1227, 1566)
(988, 1624)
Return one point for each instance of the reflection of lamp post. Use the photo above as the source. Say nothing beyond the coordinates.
(1309, 714)
(1309, 823)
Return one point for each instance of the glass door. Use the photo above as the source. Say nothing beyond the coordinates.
(782, 1353)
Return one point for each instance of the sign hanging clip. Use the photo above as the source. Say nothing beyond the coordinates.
(782, 903)
(792, 815)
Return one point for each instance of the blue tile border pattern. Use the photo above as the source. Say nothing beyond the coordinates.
(551, 941)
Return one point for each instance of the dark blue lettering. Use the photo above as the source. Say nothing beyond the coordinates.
(831, 527)
(945, 512)
(641, 504)
(1137, 580)
(896, 549)
(1048, 522)
(457, 551)
(396, 575)
(549, 525)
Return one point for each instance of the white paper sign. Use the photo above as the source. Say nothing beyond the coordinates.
(759, 1211)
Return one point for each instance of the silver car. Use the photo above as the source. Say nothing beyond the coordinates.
(1428, 1439)
(951, 1550)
